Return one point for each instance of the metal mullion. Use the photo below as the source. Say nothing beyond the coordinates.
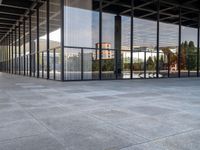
(54, 64)
(12, 52)
(9, 53)
(168, 55)
(27, 66)
(179, 46)
(158, 34)
(15, 50)
(24, 50)
(81, 63)
(62, 39)
(198, 32)
(132, 24)
(30, 47)
(100, 39)
(38, 44)
(48, 40)
(42, 64)
(19, 51)
(145, 63)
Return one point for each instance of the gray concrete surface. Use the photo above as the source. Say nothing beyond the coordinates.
(36, 114)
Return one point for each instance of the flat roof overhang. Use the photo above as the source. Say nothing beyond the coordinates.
(12, 11)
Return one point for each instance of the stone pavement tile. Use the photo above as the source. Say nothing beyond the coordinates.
(112, 115)
(9, 106)
(30, 104)
(147, 127)
(151, 110)
(8, 116)
(184, 141)
(39, 142)
(79, 131)
(146, 146)
(6, 100)
(20, 128)
(45, 112)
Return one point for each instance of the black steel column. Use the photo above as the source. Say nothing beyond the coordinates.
(54, 64)
(9, 53)
(47, 26)
(179, 45)
(24, 45)
(100, 39)
(198, 45)
(62, 40)
(30, 47)
(145, 63)
(82, 65)
(42, 64)
(132, 23)
(12, 51)
(168, 58)
(158, 34)
(118, 36)
(38, 45)
(19, 50)
(15, 50)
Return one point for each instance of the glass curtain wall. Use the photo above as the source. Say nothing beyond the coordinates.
(13, 51)
(42, 40)
(22, 48)
(110, 67)
(34, 43)
(126, 46)
(144, 52)
(98, 42)
(81, 39)
(16, 51)
(27, 46)
(188, 51)
(169, 49)
(54, 40)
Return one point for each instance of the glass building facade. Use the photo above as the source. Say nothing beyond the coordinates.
(104, 40)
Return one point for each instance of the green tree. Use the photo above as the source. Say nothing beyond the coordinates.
(150, 64)
(192, 59)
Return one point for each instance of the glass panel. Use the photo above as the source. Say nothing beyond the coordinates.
(72, 64)
(90, 64)
(169, 50)
(22, 48)
(81, 24)
(81, 27)
(189, 52)
(27, 46)
(51, 64)
(108, 46)
(58, 64)
(125, 46)
(34, 43)
(55, 35)
(145, 41)
(13, 50)
(54, 23)
(42, 37)
(108, 63)
(17, 51)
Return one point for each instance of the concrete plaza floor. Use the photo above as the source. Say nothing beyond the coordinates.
(36, 114)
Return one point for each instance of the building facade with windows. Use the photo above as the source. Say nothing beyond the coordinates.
(100, 39)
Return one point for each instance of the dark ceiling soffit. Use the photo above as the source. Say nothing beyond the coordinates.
(22, 16)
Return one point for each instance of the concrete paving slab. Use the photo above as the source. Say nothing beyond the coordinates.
(152, 114)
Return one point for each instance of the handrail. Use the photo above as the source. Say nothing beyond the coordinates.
(104, 49)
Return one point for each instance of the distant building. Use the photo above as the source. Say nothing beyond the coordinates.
(107, 52)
